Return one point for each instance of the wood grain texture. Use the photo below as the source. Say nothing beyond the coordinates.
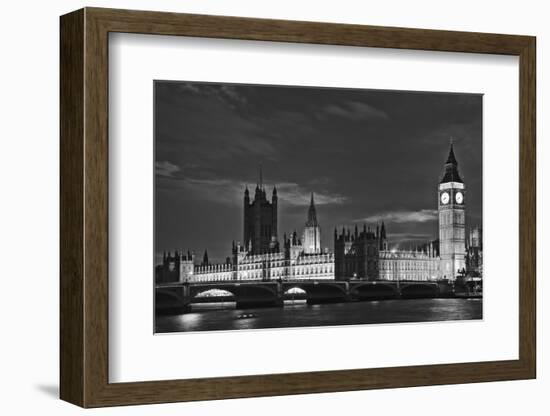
(84, 207)
(71, 208)
(527, 208)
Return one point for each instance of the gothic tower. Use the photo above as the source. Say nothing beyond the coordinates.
(383, 240)
(311, 239)
(451, 220)
(260, 221)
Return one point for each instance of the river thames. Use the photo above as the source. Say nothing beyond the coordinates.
(215, 317)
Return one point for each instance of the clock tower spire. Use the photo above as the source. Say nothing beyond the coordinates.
(452, 243)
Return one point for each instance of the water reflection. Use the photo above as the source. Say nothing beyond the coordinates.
(210, 316)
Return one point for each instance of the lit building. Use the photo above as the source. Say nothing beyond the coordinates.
(312, 232)
(474, 253)
(261, 258)
(452, 219)
(365, 254)
(358, 254)
(260, 221)
(417, 264)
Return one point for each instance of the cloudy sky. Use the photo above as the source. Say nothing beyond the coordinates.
(368, 156)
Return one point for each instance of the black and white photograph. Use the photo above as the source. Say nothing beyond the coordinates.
(292, 206)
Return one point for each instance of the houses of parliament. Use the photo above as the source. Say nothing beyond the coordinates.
(358, 253)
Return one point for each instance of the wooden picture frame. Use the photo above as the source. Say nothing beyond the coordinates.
(84, 207)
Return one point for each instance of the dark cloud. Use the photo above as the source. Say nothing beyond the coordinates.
(356, 111)
(368, 155)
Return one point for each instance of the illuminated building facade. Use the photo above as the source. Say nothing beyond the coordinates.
(358, 254)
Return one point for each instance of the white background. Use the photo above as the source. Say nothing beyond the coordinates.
(138, 59)
(29, 210)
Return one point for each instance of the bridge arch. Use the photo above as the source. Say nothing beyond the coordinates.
(419, 290)
(244, 294)
(237, 290)
(295, 293)
(295, 290)
(214, 292)
(169, 300)
(167, 296)
(374, 290)
(317, 292)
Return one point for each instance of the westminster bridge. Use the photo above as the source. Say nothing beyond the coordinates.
(180, 296)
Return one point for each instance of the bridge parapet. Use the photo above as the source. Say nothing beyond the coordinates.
(272, 293)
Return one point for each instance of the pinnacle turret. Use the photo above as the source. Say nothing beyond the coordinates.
(312, 214)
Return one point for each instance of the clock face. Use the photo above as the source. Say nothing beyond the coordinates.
(445, 198)
(459, 197)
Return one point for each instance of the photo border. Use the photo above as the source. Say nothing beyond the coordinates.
(285, 86)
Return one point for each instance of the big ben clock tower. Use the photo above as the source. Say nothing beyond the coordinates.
(452, 244)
